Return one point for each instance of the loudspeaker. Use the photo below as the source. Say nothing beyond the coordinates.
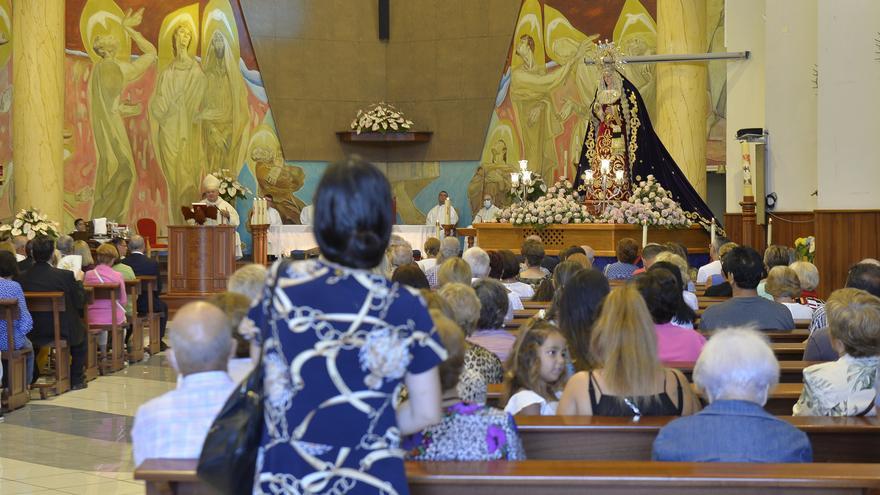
(384, 20)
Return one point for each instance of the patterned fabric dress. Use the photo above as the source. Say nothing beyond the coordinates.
(334, 359)
(839, 388)
(468, 432)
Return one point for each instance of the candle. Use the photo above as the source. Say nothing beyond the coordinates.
(514, 179)
(606, 166)
(644, 235)
(527, 177)
(770, 232)
(712, 232)
(565, 165)
(448, 216)
(523, 164)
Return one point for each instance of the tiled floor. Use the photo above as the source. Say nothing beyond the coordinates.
(80, 443)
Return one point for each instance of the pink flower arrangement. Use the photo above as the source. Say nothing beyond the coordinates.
(558, 205)
(649, 204)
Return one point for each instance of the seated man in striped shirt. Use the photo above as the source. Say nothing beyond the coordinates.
(174, 425)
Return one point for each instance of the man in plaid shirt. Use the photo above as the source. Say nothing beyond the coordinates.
(174, 425)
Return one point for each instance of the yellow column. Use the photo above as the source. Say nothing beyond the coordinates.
(38, 106)
(682, 98)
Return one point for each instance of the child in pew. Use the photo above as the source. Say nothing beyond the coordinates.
(468, 431)
(535, 370)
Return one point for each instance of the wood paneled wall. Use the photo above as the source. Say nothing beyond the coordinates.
(843, 238)
(787, 226)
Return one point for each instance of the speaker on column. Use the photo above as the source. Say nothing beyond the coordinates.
(384, 20)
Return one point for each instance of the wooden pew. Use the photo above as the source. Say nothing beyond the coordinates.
(148, 285)
(136, 347)
(780, 402)
(788, 351)
(834, 439)
(109, 292)
(789, 371)
(178, 477)
(52, 302)
(92, 370)
(16, 393)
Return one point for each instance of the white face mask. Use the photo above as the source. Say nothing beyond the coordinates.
(487, 203)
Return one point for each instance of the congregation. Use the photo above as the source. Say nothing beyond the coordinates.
(383, 347)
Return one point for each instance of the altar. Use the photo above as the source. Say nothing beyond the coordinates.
(602, 237)
(286, 238)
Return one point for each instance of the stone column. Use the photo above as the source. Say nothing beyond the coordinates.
(682, 98)
(38, 106)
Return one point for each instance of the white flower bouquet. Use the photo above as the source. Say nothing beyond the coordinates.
(230, 188)
(31, 223)
(380, 117)
(649, 204)
(558, 206)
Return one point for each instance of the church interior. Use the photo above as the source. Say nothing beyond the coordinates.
(515, 189)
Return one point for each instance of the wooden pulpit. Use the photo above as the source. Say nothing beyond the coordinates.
(200, 259)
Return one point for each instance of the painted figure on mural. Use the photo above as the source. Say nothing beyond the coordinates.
(492, 177)
(224, 113)
(275, 177)
(115, 170)
(173, 109)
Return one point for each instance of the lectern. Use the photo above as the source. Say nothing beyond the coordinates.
(200, 259)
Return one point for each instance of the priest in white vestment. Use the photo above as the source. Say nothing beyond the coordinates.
(226, 212)
(307, 215)
(488, 212)
(437, 215)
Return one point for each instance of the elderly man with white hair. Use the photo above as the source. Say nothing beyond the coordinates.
(478, 260)
(735, 371)
(399, 253)
(226, 212)
(175, 424)
(450, 247)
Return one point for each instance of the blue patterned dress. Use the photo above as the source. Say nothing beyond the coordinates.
(334, 361)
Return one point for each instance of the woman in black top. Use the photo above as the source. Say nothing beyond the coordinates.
(629, 380)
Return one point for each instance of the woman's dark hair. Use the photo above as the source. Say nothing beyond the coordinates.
(577, 306)
(8, 265)
(570, 250)
(746, 266)
(496, 265)
(493, 303)
(509, 264)
(562, 273)
(411, 275)
(353, 213)
(42, 248)
(533, 252)
(661, 294)
(684, 313)
(627, 250)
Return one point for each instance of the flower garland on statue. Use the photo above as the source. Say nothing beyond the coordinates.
(649, 204)
(31, 223)
(380, 117)
(558, 206)
(230, 189)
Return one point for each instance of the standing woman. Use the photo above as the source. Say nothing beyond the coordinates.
(338, 341)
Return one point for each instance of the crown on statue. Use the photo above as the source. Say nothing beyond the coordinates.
(608, 55)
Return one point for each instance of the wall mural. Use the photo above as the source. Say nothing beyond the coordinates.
(545, 92)
(159, 94)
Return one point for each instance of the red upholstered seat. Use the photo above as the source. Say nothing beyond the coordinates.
(146, 227)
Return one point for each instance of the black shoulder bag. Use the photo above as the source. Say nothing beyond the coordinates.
(229, 453)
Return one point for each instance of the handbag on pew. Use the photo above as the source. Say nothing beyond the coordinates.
(230, 449)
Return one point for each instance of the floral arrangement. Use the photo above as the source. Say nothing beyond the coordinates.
(558, 205)
(649, 204)
(805, 248)
(31, 223)
(230, 188)
(380, 117)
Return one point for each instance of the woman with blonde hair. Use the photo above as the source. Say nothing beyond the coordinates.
(630, 380)
(784, 286)
(465, 312)
(454, 270)
(82, 249)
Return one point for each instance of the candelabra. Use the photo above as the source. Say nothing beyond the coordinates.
(602, 182)
(521, 181)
